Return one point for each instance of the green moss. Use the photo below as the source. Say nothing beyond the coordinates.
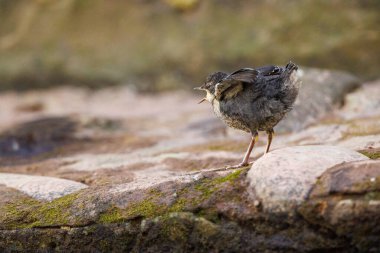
(10, 210)
(210, 214)
(175, 230)
(56, 212)
(30, 213)
(179, 205)
(188, 198)
(15, 215)
(195, 196)
(229, 178)
(17, 209)
(371, 154)
(372, 196)
(208, 186)
(206, 189)
(205, 228)
(112, 216)
(175, 226)
(318, 182)
(154, 193)
(146, 208)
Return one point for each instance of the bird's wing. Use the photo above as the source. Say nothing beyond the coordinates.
(270, 70)
(247, 75)
(230, 86)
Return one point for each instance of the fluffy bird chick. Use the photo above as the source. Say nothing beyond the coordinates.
(252, 100)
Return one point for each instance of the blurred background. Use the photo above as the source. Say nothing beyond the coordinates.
(100, 93)
(168, 44)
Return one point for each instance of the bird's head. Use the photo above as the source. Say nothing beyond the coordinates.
(209, 85)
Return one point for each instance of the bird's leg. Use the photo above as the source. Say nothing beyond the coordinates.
(270, 135)
(247, 154)
(249, 150)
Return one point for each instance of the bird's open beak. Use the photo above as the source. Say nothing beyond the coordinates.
(200, 88)
(203, 99)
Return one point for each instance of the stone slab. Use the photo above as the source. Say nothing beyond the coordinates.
(283, 178)
(40, 187)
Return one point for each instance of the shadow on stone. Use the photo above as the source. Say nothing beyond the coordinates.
(36, 137)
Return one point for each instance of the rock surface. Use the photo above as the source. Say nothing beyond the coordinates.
(283, 178)
(320, 92)
(345, 195)
(112, 170)
(41, 188)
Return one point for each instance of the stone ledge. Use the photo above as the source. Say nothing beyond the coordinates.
(283, 178)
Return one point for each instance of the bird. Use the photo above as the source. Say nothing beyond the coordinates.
(253, 99)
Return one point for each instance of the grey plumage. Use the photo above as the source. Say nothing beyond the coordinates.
(253, 100)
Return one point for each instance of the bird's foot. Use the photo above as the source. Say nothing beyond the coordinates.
(239, 166)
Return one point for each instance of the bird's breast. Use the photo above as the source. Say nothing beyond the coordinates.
(216, 107)
(228, 117)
